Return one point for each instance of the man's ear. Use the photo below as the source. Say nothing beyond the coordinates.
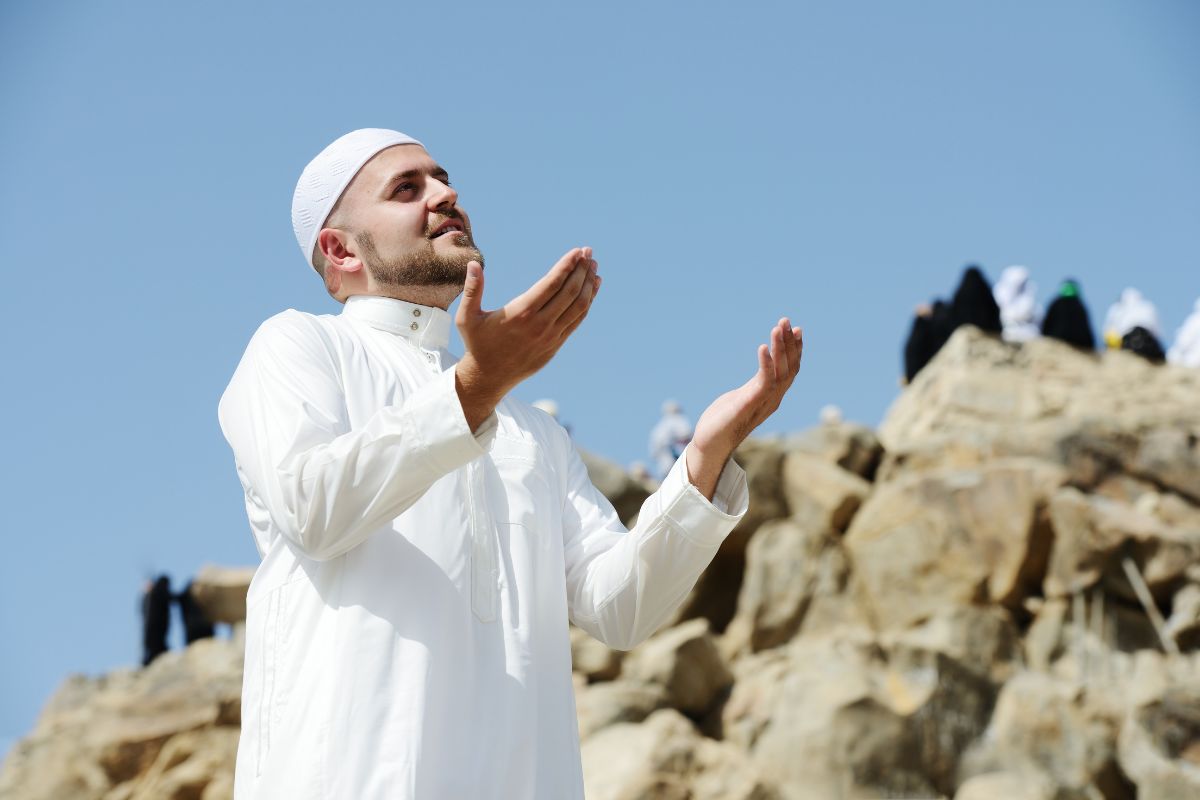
(334, 245)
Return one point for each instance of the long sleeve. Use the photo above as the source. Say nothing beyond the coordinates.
(327, 487)
(622, 585)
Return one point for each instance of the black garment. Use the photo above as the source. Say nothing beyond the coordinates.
(1067, 318)
(195, 624)
(1145, 344)
(156, 619)
(929, 332)
(974, 303)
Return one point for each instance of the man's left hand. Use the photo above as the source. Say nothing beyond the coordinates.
(729, 420)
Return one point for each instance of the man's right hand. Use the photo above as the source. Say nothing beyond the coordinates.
(506, 346)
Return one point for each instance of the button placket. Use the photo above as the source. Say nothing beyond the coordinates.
(484, 558)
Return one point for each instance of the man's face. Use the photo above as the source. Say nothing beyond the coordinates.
(405, 221)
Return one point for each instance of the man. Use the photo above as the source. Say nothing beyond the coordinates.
(425, 539)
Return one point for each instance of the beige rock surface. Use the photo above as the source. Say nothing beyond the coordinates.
(105, 735)
(819, 494)
(596, 660)
(221, 592)
(979, 383)
(665, 758)
(791, 570)
(951, 537)
(685, 662)
(600, 705)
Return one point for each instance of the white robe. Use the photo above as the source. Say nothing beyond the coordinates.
(1186, 350)
(406, 632)
(1020, 313)
(1131, 311)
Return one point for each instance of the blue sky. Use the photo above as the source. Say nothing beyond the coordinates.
(729, 163)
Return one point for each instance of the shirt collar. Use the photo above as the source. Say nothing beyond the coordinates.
(424, 326)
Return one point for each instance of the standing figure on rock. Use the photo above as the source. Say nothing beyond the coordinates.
(931, 328)
(669, 437)
(1186, 350)
(974, 303)
(1067, 318)
(195, 624)
(1020, 312)
(1131, 310)
(156, 618)
(425, 537)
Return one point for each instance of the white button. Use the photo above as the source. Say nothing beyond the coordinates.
(414, 326)
(429, 357)
(416, 312)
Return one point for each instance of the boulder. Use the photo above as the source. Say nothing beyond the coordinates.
(624, 491)
(715, 594)
(1184, 623)
(981, 639)
(952, 537)
(221, 592)
(819, 494)
(854, 448)
(982, 384)
(791, 569)
(685, 662)
(592, 658)
(1093, 533)
(602, 704)
(1006, 786)
(664, 758)
(1046, 727)
(840, 717)
(104, 735)
(1159, 744)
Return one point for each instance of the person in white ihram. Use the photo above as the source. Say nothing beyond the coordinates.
(669, 437)
(424, 537)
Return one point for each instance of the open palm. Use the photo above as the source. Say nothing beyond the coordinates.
(730, 418)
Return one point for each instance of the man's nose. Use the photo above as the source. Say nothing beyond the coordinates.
(441, 195)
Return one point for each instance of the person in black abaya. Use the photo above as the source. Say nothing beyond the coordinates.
(931, 328)
(1145, 344)
(195, 624)
(1067, 318)
(156, 619)
(974, 303)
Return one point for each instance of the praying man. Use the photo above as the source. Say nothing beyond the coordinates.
(425, 538)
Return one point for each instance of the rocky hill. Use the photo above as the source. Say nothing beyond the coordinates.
(995, 597)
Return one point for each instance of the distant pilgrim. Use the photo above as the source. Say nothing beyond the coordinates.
(1067, 318)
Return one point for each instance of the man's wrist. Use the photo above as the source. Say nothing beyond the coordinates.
(477, 398)
(704, 466)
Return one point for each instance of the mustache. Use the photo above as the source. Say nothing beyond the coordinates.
(444, 217)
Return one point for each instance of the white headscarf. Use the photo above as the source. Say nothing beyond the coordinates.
(1186, 350)
(1131, 311)
(1020, 313)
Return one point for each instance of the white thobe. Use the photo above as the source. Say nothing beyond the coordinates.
(1131, 311)
(1186, 349)
(406, 632)
(1020, 314)
(667, 440)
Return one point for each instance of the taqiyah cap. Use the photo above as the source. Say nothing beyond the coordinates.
(327, 176)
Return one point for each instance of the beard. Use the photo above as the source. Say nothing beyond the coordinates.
(425, 267)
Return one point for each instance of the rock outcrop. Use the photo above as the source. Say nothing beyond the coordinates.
(996, 598)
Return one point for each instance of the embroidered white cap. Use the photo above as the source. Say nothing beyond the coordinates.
(325, 178)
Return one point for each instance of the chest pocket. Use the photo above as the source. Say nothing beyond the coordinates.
(518, 485)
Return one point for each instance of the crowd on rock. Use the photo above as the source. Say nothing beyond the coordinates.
(1011, 310)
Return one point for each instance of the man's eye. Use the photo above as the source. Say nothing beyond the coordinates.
(404, 187)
